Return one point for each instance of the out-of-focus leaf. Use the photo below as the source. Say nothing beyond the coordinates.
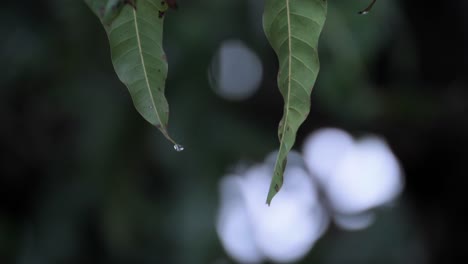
(293, 28)
(135, 31)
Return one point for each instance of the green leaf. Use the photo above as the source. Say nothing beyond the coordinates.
(135, 37)
(293, 28)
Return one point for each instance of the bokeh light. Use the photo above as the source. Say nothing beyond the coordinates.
(356, 175)
(324, 149)
(234, 224)
(283, 232)
(355, 221)
(236, 71)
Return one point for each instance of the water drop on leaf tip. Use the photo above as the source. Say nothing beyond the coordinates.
(178, 148)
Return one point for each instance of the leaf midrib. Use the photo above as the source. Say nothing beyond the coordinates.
(288, 15)
(286, 115)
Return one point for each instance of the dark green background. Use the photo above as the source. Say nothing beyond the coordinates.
(84, 179)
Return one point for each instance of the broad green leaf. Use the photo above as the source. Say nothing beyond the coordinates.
(293, 28)
(135, 32)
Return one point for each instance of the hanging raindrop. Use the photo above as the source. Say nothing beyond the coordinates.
(178, 147)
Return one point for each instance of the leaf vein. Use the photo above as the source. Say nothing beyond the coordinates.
(125, 53)
(114, 27)
(303, 63)
(306, 17)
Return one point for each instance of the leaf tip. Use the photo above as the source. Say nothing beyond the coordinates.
(165, 133)
(271, 194)
(368, 9)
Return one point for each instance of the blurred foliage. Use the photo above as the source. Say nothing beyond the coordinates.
(84, 179)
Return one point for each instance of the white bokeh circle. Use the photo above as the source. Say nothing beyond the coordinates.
(282, 232)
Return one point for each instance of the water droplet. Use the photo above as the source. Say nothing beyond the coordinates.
(178, 147)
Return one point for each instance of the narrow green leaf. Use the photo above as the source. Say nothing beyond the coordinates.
(293, 28)
(135, 32)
